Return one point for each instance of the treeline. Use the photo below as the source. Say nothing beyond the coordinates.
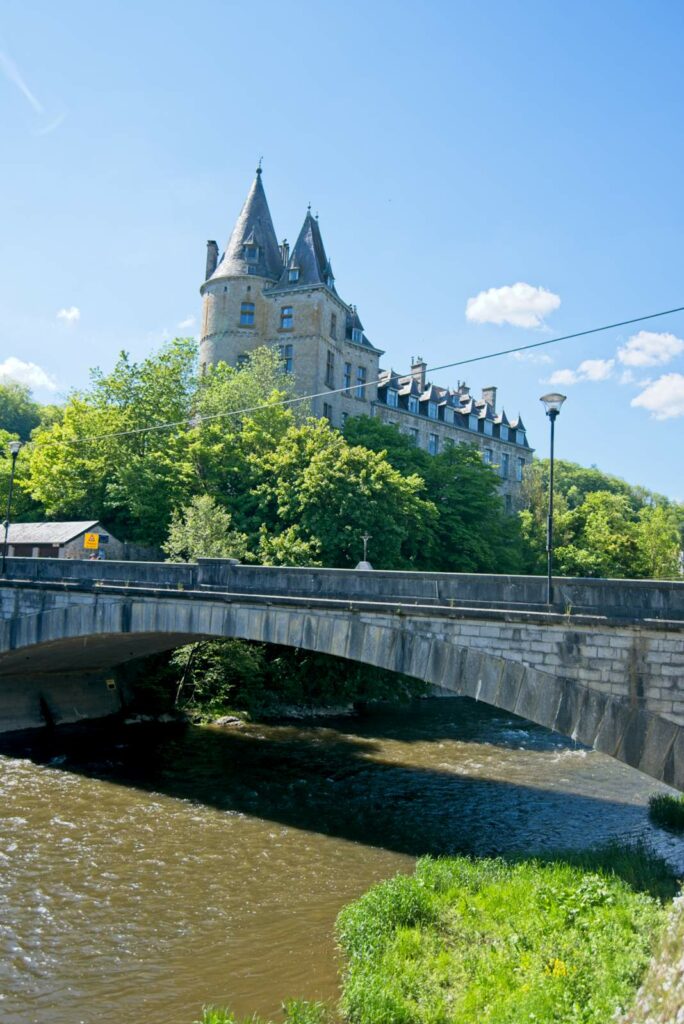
(230, 470)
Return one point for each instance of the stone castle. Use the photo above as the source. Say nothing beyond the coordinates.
(261, 293)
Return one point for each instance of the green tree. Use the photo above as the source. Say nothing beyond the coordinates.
(101, 461)
(470, 531)
(203, 530)
(325, 490)
(604, 526)
(19, 414)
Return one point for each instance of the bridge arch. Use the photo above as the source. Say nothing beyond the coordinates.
(90, 635)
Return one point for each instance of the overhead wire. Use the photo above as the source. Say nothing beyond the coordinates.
(197, 419)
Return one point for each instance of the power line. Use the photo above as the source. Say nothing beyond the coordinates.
(198, 419)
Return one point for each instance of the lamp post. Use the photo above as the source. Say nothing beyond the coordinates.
(552, 407)
(14, 447)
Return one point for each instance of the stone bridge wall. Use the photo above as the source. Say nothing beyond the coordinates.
(630, 599)
(613, 684)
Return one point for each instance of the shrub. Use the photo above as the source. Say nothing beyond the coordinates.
(667, 811)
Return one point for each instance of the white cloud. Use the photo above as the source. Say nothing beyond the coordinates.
(590, 369)
(626, 377)
(647, 348)
(70, 315)
(188, 322)
(664, 398)
(520, 304)
(532, 357)
(26, 373)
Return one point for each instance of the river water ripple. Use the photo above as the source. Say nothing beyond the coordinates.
(146, 871)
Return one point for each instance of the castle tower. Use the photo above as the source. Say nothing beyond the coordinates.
(234, 313)
(262, 294)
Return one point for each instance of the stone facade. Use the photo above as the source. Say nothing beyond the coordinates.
(259, 293)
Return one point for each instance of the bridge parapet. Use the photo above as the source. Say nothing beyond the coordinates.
(622, 599)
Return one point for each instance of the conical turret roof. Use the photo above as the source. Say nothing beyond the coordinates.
(254, 230)
(308, 256)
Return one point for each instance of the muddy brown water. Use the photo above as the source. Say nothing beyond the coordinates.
(147, 871)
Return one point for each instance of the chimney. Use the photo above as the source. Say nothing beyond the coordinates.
(285, 251)
(212, 259)
(489, 396)
(418, 369)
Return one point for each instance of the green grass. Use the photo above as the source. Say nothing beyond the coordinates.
(297, 1011)
(466, 941)
(667, 811)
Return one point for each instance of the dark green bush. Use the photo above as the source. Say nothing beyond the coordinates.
(667, 811)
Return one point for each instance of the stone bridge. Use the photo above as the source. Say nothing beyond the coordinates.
(604, 666)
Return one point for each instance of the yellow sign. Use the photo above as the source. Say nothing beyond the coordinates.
(91, 541)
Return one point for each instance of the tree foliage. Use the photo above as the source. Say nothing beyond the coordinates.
(19, 414)
(603, 526)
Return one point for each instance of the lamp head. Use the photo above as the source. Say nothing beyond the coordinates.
(14, 447)
(552, 403)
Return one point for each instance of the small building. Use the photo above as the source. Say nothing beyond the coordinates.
(60, 540)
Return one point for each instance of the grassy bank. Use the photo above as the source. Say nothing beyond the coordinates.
(563, 940)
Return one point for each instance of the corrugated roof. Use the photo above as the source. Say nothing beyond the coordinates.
(48, 533)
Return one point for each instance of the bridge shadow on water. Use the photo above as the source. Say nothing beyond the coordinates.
(432, 779)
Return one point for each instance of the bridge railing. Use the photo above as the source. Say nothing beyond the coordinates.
(633, 599)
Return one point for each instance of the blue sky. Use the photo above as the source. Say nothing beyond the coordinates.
(453, 151)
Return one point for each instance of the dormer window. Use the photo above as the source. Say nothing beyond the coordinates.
(330, 281)
(293, 275)
(392, 397)
(251, 253)
(432, 410)
(357, 335)
(488, 427)
(472, 422)
(413, 405)
(503, 432)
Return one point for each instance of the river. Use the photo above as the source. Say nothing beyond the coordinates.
(146, 871)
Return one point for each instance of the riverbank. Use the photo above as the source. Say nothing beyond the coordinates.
(558, 940)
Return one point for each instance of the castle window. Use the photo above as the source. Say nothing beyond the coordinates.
(247, 314)
(287, 357)
(488, 456)
(392, 397)
(413, 434)
(286, 318)
(472, 422)
(251, 253)
(448, 415)
(505, 460)
(357, 334)
(413, 405)
(433, 444)
(360, 382)
(432, 410)
(347, 375)
(293, 275)
(503, 432)
(345, 417)
(330, 370)
(488, 427)
(333, 325)
(519, 469)
(328, 412)
(520, 437)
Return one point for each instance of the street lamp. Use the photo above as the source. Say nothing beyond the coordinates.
(552, 407)
(14, 447)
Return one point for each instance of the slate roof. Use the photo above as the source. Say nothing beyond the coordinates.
(253, 227)
(48, 533)
(309, 257)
